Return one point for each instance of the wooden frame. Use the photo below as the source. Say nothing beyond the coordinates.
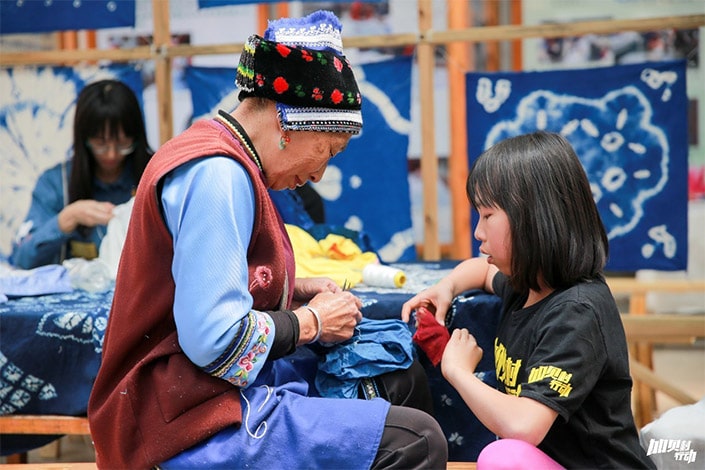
(644, 330)
(162, 52)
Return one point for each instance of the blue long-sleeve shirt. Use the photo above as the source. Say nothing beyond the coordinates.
(39, 241)
(213, 200)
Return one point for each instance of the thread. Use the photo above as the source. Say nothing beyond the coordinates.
(378, 275)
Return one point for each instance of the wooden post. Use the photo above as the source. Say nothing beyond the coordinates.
(162, 73)
(429, 159)
(643, 353)
(282, 10)
(516, 19)
(460, 60)
(69, 40)
(492, 47)
(262, 17)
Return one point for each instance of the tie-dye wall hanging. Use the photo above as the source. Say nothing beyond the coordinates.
(365, 188)
(34, 16)
(628, 125)
(37, 106)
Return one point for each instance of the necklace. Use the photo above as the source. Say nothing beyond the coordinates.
(231, 123)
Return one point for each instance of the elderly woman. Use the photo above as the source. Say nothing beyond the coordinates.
(207, 305)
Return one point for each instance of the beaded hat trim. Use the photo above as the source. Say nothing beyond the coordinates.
(319, 119)
(299, 64)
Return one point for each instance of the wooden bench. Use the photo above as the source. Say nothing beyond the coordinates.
(42, 424)
(643, 334)
(53, 466)
(652, 329)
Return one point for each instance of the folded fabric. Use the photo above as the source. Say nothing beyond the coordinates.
(49, 279)
(430, 335)
(111, 245)
(377, 347)
(336, 257)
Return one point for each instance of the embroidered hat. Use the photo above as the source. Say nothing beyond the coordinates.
(299, 63)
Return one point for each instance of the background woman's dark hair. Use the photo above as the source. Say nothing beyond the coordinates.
(556, 230)
(102, 109)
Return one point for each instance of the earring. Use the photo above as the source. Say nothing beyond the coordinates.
(283, 140)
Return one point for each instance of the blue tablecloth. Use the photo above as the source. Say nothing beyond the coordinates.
(50, 349)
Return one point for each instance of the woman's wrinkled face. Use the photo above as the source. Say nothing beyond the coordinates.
(305, 158)
(493, 232)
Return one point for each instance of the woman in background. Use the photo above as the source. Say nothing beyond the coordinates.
(73, 202)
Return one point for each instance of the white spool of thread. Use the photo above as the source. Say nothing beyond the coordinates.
(378, 275)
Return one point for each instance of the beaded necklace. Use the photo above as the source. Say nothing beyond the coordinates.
(231, 123)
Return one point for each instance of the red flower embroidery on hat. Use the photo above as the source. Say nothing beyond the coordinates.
(337, 64)
(317, 94)
(336, 97)
(280, 85)
(306, 55)
(283, 50)
(259, 79)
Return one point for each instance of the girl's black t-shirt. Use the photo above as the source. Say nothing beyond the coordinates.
(569, 352)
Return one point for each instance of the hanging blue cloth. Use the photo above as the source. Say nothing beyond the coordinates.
(377, 347)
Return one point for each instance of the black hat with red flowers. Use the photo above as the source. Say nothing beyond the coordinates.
(299, 63)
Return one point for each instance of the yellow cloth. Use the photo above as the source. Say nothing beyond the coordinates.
(336, 257)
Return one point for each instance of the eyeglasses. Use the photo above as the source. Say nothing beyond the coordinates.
(102, 149)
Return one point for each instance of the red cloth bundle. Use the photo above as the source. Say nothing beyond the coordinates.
(430, 335)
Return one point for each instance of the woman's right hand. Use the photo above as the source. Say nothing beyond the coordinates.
(340, 313)
(86, 212)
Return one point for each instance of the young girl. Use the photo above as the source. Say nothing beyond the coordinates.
(560, 351)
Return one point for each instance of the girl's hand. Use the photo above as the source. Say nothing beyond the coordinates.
(436, 299)
(461, 355)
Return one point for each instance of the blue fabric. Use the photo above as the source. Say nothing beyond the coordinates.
(368, 182)
(280, 418)
(51, 345)
(628, 125)
(49, 356)
(49, 279)
(35, 16)
(291, 208)
(377, 347)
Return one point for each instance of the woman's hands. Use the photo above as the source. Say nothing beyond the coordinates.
(307, 287)
(340, 312)
(87, 212)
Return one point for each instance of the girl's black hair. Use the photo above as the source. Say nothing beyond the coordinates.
(556, 231)
(102, 109)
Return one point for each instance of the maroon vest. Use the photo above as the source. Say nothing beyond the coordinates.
(149, 401)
